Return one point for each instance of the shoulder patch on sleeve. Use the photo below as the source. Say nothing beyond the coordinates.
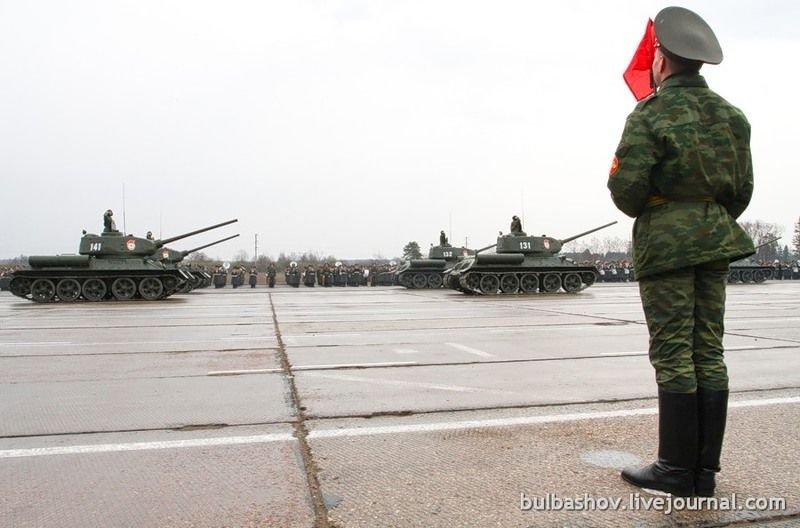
(614, 166)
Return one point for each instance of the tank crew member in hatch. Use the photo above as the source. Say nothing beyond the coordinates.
(109, 226)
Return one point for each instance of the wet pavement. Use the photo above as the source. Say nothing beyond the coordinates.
(351, 407)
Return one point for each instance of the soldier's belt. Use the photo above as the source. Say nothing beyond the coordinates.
(654, 200)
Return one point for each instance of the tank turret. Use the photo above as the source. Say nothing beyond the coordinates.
(108, 266)
(116, 244)
(523, 264)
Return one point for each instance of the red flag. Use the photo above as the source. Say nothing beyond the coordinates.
(637, 76)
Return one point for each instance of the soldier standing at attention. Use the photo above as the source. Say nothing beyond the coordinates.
(683, 170)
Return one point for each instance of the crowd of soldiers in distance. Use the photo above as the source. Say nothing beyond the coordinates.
(784, 270)
(622, 270)
(325, 275)
(612, 270)
(8, 270)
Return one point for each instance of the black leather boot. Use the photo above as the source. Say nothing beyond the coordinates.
(712, 411)
(674, 471)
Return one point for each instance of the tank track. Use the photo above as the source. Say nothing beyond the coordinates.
(69, 286)
(749, 274)
(524, 282)
(417, 280)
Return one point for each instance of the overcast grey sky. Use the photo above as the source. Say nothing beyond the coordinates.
(351, 127)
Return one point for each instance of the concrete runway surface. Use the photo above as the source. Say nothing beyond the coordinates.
(372, 407)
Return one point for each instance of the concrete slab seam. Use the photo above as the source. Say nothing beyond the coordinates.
(365, 431)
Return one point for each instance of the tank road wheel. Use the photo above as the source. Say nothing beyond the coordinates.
(171, 285)
(404, 280)
(43, 290)
(489, 284)
(589, 278)
(733, 276)
(94, 289)
(572, 282)
(509, 283)
(529, 283)
(758, 276)
(473, 281)
(551, 283)
(20, 286)
(419, 280)
(747, 276)
(150, 288)
(68, 290)
(434, 280)
(452, 282)
(123, 289)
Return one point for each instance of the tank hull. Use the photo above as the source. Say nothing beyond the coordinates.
(54, 284)
(496, 274)
(523, 265)
(422, 273)
(429, 272)
(749, 274)
(110, 266)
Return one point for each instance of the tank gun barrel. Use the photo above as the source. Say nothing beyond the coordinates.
(160, 243)
(485, 248)
(570, 239)
(768, 242)
(198, 248)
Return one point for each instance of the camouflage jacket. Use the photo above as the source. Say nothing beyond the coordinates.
(683, 170)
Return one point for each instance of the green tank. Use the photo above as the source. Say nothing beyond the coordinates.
(749, 271)
(430, 272)
(109, 266)
(522, 264)
(199, 278)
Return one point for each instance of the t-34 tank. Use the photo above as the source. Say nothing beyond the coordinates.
(430, 272)
(522, 264)
(200, 278)
(748, 271)
(108, 266)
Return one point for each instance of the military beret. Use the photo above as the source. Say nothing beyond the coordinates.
(684, 34)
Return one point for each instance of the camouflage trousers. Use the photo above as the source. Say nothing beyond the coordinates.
(685, 311)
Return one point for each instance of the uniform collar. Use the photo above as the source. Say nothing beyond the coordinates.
(693, 80)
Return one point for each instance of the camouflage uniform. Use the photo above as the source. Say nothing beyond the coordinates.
(683, 170)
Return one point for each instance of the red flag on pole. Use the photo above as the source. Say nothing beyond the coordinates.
(637, 76)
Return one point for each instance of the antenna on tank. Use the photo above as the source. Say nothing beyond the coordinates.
(124, 226)
(450, 231)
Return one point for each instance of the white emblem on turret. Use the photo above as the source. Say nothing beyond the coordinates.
(131, 244)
